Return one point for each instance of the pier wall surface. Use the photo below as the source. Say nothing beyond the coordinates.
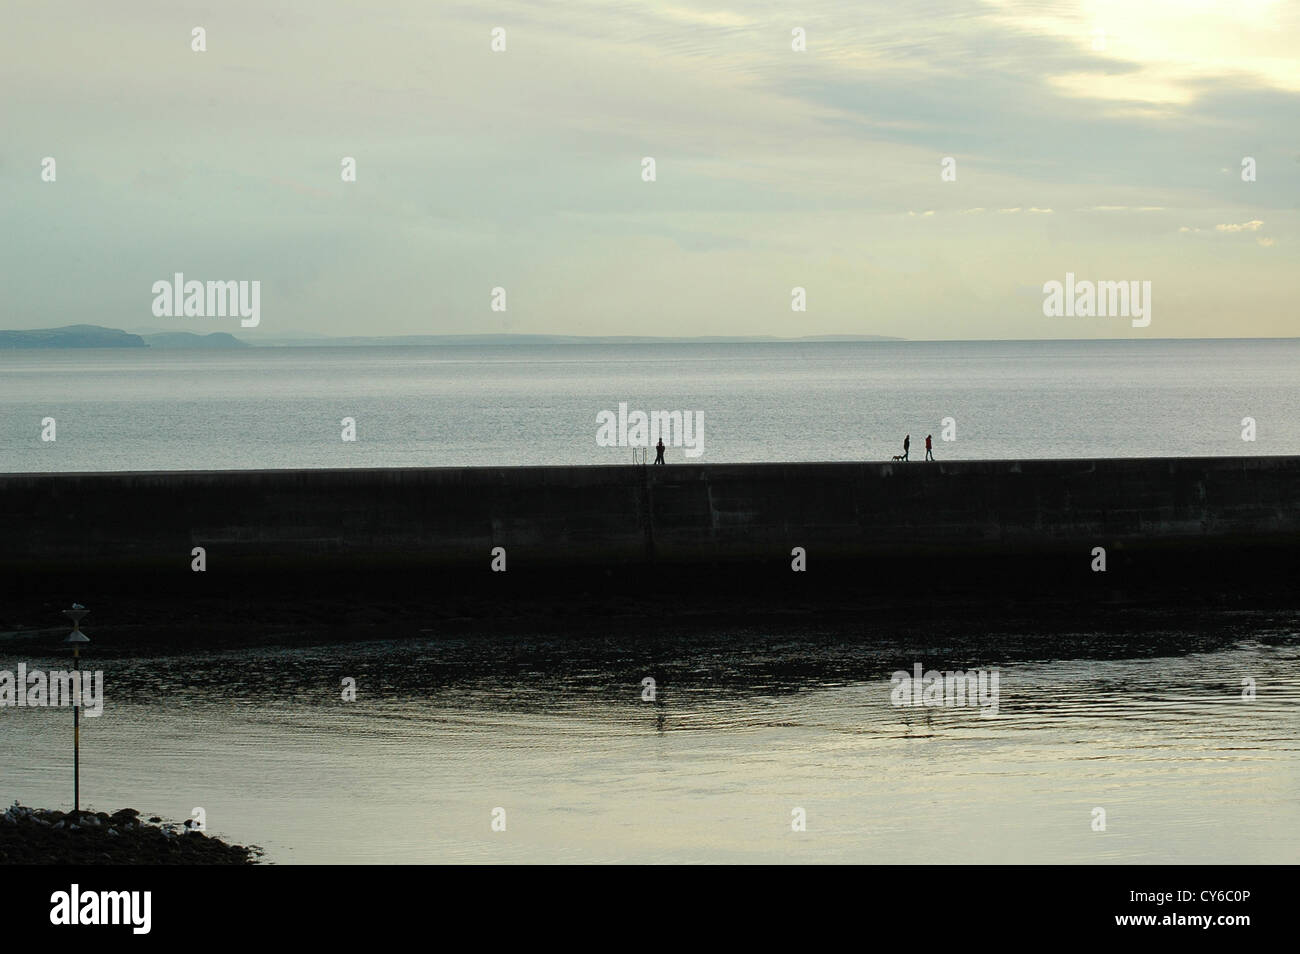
(678, 533)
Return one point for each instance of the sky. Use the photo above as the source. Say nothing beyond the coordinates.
(1102, 139)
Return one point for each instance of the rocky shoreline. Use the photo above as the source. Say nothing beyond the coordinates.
(36, 836)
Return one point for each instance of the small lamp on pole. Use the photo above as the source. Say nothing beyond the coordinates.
(76, 639)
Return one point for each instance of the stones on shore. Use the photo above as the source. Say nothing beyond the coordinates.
(38, 836)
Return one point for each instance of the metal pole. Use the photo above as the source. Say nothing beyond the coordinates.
(75, 639)
(76, 731)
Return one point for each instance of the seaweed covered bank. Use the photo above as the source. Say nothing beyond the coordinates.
(35, 836)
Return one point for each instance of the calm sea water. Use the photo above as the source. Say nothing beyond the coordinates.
(745, 728)
(169, 410)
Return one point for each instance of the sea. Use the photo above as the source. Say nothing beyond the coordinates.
(1104, 749)
(757, 746)
(129, 409)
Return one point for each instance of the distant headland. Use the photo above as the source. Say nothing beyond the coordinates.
(95, 336)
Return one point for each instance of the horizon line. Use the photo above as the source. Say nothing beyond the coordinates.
(830, 338)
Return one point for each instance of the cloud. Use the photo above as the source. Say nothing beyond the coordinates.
(714, 18)
(1122, 208)
(478, 169)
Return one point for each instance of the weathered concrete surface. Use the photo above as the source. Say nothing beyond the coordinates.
(677, 514)
(342, 553)
(330, 554)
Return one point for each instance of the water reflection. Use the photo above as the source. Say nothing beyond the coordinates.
(742, 728)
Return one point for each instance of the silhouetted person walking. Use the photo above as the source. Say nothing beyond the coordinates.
(659, 451)
(929, 448)
(907, 442)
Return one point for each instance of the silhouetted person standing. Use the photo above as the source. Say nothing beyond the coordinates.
(659, 451)
(929, 448)
(907, 442)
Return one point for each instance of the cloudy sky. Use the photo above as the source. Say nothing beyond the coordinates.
(1100, 138)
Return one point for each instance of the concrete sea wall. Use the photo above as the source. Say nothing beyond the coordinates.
(681, 513)
(654, 541)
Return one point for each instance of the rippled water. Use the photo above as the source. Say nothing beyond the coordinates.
(555, 732)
